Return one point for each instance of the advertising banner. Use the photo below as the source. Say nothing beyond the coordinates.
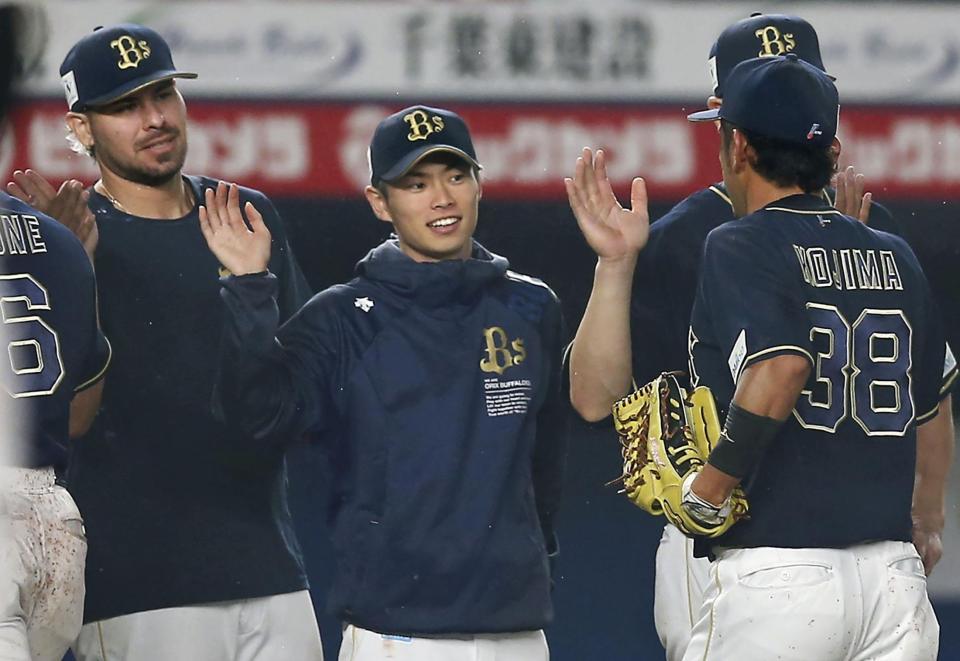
(319, 149)
(559, 51)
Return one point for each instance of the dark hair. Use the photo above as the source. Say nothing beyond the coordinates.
(445, 157)
(785, 163)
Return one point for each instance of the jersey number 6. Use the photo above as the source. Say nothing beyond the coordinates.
(33, 348)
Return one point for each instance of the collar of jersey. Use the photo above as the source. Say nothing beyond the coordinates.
(801, 203)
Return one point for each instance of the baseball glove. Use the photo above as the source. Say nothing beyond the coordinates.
(666, 436)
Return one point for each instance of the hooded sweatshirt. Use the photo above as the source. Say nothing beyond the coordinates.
(436, 388)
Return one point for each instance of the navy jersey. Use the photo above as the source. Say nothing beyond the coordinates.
(441, 384)
(179, 509)
(797, 277)
(53, 347)
(665, 280)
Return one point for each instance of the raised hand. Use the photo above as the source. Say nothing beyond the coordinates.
(68, 205)
(851, 200)
(612, 231)
(241, 247)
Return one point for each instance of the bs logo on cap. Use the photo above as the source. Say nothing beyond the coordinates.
(773, 42)
(421, 124)
(132, 52)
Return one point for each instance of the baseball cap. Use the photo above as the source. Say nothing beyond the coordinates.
(762, 35)
(780, 97)
(405, 137)
(110, 63)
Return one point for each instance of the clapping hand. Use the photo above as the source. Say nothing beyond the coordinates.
(68, 205)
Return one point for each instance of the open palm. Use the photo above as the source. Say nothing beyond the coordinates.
(241, 246)
(612, 231)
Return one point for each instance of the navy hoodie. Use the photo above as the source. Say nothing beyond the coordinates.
(437, 389)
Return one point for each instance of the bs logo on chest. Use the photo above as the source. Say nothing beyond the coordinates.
(501, 353)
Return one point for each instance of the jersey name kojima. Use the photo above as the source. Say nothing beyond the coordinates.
(849, 268)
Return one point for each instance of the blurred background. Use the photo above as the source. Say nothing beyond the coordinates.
(289, 93)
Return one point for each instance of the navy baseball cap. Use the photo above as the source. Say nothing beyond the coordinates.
(110, 63)
(405, 137)
(762, 35)
(780, 97)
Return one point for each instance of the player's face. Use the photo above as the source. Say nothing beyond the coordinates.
(143, 136)
(433, 209)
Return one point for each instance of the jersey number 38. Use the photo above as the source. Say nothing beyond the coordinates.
(862, 370)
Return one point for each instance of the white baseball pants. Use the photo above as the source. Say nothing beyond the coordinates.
(280, 627)
(865, 602)
(362, 645)
(678, 591)
(42, 555)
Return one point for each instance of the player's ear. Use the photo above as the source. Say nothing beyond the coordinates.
(740, 149)
(714, 102)
(378, 202)
(79, 124)
(835, 148)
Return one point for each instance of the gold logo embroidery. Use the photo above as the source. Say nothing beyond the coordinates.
(223, 272)
(773, 42)
(501, 353)
(421, 124)
(132, 52)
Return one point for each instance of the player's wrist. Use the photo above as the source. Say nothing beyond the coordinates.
(932, 520)
(247, 268)
(251, 274)
(709, 488)
(699, 506)
(618, 266)
(743, 441)
(627, 257)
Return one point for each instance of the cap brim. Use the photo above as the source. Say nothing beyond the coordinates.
(404, 165)
(137, 85)
(705, 115)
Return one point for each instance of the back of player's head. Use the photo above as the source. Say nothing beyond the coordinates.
(783, 98)
(788, 110)
(406, 137)
(110, 63)
(761, 35)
